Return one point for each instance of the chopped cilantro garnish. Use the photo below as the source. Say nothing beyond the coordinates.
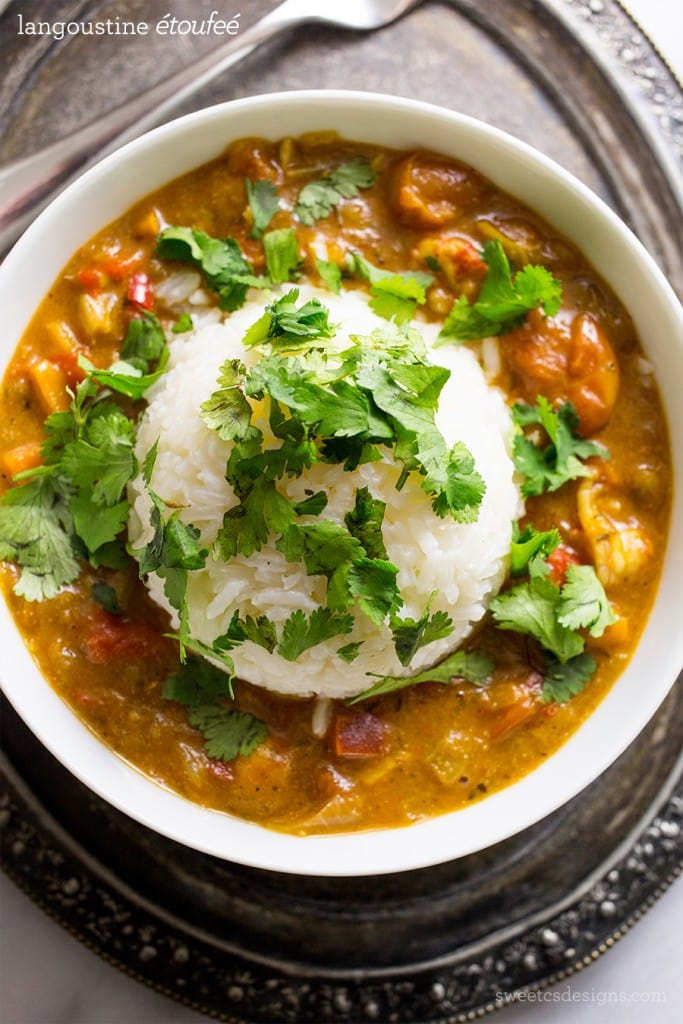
(318, 198)
(583, 602)
(321, 546)
(300, 632)
(528, 543)
(503, 300)
(475, 667)
(286, 326)
(547, 468)
(144, 342)
(364, 522)
(106, 597)
(349, 652)
(263, 203)
(260, 631)
(532, 607)
(372, 582)
(196, 682)
(182, 324)
(73, 505)
(36, 531)
(228, 732)
(553, 614)
(561, 681)
(408, 394)
(124, 377)
(281, 249)
(227, 410)
(394, 295)
(225, 269)
(331, 274)
(412, 634)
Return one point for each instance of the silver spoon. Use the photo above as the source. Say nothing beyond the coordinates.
(27, 185)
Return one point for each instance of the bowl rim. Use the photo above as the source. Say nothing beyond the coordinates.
(570, 769)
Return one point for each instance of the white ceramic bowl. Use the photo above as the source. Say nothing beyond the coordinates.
(107, 191)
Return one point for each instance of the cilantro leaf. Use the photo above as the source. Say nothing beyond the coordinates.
(562, 681)
(338, 410)
(364, 523)
(125, 378)
(174, 545)
(331, 274)
(196, 682)
(95, 524)
(263, 203)
(318, 198)
(228, 733)
(395, 295)
(281, 249)
(373, 582)
(149, 462)
(227, 411)
(247, 525)
(547, 468)
(106, 597)
(300, 632)
(409, 394)
(285, 326)
(583, 602)
(225, 269)
(503, 300)
(104, 469)
(36, 532)
(260, 631)
(532, 607)
(528, 543)
(145, 341)
(412, 634)
(313, 505)
(349, 652)
(322, 546)
(475, 667)
(182, 324)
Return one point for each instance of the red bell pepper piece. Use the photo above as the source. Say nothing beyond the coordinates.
(140, 291)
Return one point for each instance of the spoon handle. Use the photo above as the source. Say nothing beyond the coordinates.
(27, 185)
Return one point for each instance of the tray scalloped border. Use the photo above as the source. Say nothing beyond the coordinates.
(173, 963)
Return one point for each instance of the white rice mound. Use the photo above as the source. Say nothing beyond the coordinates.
(465, 564)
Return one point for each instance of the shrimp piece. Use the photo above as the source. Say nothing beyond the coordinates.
(575, 365)
(616, 536)
(431, 191)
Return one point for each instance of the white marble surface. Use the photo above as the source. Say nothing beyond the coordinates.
(46, 977)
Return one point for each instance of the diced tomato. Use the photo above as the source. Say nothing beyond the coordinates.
(68, 362)
(508, 721)
(358, 734)
(140, 291)
(559, 561)
(112, 638)
(92, 279)
(119, 266)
